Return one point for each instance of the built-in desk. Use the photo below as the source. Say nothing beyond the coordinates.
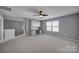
(33, 32)
(9, 33)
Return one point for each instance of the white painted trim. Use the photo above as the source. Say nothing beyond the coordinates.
(5, 40)
(24, 27)
(2, 20)
(2, 28)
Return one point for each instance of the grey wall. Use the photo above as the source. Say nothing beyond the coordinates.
(68, 26)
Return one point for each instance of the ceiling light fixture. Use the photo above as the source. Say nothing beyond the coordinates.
(40, 16)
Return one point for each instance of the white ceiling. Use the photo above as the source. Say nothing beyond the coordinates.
(52, 11)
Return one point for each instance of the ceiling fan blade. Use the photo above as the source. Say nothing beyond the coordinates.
(44, 14)
(5, 8)
(35, 15)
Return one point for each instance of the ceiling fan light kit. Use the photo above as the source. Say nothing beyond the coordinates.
(40, 16)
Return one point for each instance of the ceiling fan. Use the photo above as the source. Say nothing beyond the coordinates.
(41, 14)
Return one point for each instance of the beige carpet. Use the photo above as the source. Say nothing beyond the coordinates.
(39, 44)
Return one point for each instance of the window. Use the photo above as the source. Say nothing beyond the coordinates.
(53, 26)
(48, 25)
(35, 25)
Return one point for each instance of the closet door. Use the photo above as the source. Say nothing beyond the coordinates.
(1, 28)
